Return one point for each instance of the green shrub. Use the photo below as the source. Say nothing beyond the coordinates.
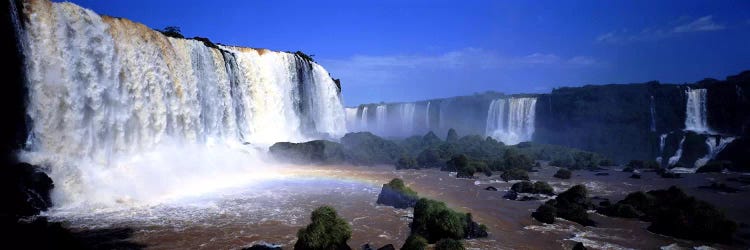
(563, 174)
(415, 242)
(449, 244)
(398, 185)
(406, 162)
(515, 174)
(545, 213)
(434, 221)
(326, 231)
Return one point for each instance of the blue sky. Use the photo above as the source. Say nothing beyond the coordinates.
(413, 50)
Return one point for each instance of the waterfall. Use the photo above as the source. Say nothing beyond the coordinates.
(677, 155)
(496, 117)
(120, 113)
(662, 142)
(427, 116)
(519, 126)
(351, 119)
(406, 113)
(653, 115)
(381, 118)
(714, 148)
(363, 125)
(695, 113)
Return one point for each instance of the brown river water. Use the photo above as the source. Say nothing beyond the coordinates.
(273, 210)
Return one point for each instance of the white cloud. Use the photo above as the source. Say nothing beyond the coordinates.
(705, 23)
(702, 24)
(386, 69)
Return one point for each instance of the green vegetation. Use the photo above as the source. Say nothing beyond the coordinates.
(563, 174)
(398, 185)
(434, 221)
(368, 149)
(570, 205)
(398, 195)
(326, 231)
(452, 136)
(515, 174)
(172, 31)
(449, 244)
(538, 187)
(406, 162)
(672, 212)
(415, 242)
(319, 151)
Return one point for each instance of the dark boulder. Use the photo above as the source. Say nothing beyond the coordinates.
(397, 195)
(579, 246)
(24, 190)
(635, 176)
(602, 174)
(263, 247)
(720, 187)
(511, 195)
(491, 188)
(538, 187)
(571, 205)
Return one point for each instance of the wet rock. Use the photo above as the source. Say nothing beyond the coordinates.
(396, 194)
(511, 195)
(528, 198)
(664, 173)
(491, 188)
(571, 205)
(263, 246)
(24, 190)
(601, 174)
(538, 187)
(473, 229)
(720, 187)
(635, 176)
(579, 246)
(545, 213)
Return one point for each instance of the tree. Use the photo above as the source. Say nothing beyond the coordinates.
(172, 31)
(326, 231)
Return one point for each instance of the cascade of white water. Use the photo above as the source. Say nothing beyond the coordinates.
(122, 113)
(695, 111)
(363, 123)
(351, 119)
(381, 119)
(662, 141)
(652, 110)
(406, 113)
(496, 116)
(677, 155)
(427, 116)
(714, 148)
(520, 120)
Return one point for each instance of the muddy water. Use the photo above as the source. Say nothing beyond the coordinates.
(273, 210)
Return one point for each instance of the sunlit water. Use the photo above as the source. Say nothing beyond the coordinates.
(272, 209)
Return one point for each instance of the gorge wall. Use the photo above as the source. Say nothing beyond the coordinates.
(621, 121)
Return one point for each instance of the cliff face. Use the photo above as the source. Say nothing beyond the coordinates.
(628, 121)
(615, 120)
(622, 121)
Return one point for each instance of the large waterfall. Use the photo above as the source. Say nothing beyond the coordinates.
(406, 115)
(120, 112)
(381, 118)
(695, 111)
(352, 120)
(514, 126)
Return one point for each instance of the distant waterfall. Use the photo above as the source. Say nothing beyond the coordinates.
(653, 114)
(520, 115)
(696, 112)
(120, 112)
(352, 120)
(662, 142)
(381, 118)
(406, 113)
(427, 116)
(363, 123)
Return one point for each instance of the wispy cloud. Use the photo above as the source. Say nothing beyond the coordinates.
(383, 69)
(705, 23)
(701, 24)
